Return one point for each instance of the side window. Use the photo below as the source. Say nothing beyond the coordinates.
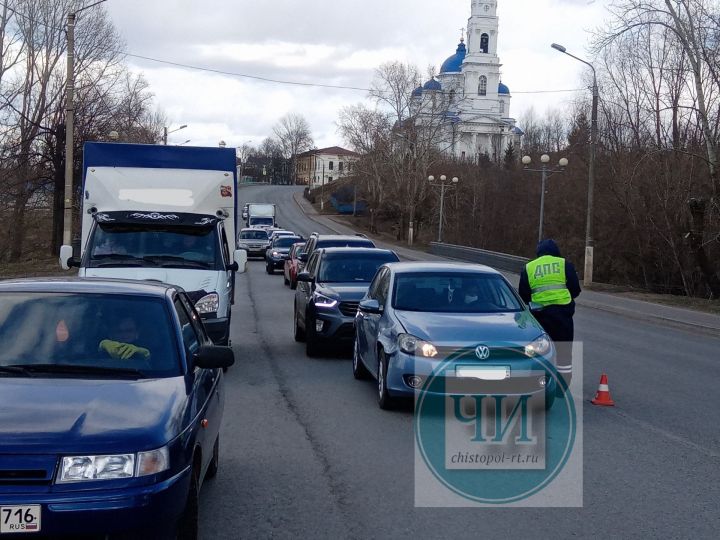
(225, 248)
(191, 341)
(313, 264)
(383, 287)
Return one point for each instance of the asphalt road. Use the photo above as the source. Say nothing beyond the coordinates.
(306, 452)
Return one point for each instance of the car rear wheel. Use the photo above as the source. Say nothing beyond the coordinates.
(360, 372)
(293, 283)
(286, 281)
(385, 401)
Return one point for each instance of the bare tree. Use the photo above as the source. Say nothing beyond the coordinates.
(293, 134)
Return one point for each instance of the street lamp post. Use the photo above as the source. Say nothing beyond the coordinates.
(443, 186)
(546, 173)
(589, 240)
(166, 133)
(70, 123)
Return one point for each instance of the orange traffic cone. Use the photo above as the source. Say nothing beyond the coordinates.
(603, 394)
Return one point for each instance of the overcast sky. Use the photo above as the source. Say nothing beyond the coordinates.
(337, 42)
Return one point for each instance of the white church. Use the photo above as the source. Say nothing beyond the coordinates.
(475, 106)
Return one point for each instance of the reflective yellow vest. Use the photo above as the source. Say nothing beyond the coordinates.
(546, 276)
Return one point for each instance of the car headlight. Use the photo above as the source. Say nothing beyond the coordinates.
(412, 345)
(113, 467)
(208, 303)
(84, 468)
(275, 254)
(541, 346)
(323, 301)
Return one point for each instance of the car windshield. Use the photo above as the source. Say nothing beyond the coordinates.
(344, 243)
(285, 241)
(53, 332)
(148, 245)
(352, 267)
(254, 235)
(454, 292)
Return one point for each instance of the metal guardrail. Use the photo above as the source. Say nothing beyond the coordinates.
(500, 261)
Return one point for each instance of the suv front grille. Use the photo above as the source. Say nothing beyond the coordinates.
(349, 309)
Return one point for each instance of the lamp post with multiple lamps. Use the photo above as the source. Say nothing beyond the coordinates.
(443, 186)
(166, 133)
(546, 172)
(589, 240)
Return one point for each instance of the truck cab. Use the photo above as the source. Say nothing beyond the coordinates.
(163, 214)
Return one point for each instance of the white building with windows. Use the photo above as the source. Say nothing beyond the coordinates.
(322, 166)
(475, 104)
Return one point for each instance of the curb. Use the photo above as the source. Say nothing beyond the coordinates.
(686, 325)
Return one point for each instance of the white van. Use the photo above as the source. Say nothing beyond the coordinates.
(163, 213)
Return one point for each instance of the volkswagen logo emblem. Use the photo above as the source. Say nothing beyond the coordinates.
(482, 352)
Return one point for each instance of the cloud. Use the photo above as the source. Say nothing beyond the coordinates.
(336, 42)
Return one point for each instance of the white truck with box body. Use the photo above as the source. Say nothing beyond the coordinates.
(163, 213)
(261, 215)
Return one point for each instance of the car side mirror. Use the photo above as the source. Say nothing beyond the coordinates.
(303, 257)
(67, 261)
(240, 257)
(370, 305)
(304, 277)
(214, 357)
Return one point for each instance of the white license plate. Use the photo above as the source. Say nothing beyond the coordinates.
(485, 373)
(20, 519)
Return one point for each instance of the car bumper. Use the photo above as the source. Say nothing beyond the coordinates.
(156, 507)
(278, 264)
(336, 327)
(525, 375)
(218, 329)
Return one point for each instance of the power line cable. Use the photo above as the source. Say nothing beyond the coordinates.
(249, 76)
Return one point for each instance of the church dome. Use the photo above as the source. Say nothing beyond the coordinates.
(502, 89)
(432, 85)
(454, 63)
(417, 92)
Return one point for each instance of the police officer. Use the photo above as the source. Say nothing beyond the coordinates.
(553, 283)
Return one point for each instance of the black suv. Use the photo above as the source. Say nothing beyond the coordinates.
(278, 252)
(317, 241)
(329, 291)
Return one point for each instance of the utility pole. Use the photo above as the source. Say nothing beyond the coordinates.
(443, 186)
(589, 240)
(546, 172)
(69, 130)
(165, 134)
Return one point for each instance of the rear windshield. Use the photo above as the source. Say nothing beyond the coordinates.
(360, 242)
(254, 235)
(285, 241)
(454, 292)
(261, 221)
(352, 267)
(91, 330)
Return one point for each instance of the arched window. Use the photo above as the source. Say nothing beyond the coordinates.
(502, 107)
(484, 43)
(452, 97)
(482, 86)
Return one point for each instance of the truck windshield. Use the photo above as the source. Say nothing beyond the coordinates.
(116, 245)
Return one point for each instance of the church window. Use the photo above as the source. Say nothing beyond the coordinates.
(452, 97)
(482, 86)
(484, 43)
(502, 107)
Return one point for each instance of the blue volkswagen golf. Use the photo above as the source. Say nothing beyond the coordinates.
(462, 323)
(111, 397)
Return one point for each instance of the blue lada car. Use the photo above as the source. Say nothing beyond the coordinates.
(111, 398)
(450, 328)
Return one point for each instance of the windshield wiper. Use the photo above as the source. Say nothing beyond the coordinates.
(72, 369)
(175, 261)
(117, 259)
(15, 370)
